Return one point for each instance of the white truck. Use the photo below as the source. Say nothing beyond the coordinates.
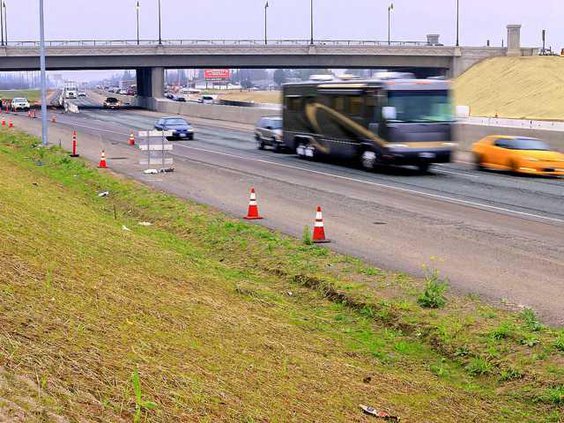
(71, 90)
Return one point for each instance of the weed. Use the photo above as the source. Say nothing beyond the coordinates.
(531, 320)
(306, 236)
(510, 374)
(439, 369)
(530, 341)
(140, 404)
(553, 395)
(503, 331)
(433, 295)
(559, 343)
(479, 367)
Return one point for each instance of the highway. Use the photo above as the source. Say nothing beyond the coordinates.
(491, 234)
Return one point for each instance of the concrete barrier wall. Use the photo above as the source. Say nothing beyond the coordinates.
(244, 115)
(466, 134)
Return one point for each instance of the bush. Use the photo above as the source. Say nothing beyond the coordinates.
(433, 295)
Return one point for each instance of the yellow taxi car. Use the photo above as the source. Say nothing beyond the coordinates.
(518, 155)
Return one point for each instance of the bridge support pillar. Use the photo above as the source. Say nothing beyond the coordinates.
(514, 40)
(150, 86)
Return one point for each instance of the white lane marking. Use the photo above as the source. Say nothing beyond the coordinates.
(407, 190)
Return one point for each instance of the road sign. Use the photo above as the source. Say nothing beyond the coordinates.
(145, 134)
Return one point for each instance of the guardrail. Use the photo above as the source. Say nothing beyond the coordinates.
(153, 43)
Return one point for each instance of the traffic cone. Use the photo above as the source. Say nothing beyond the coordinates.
(131, 138)
(318, 229)
(29, 114)
(33, 115)
(253, 213)
(10, 124)
(53, 119)
(103, 164)
(74, 146)
(3, 121)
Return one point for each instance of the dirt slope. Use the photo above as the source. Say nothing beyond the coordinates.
(514, 87)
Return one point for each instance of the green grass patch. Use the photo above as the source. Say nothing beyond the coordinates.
(31, 95)
(220, 320)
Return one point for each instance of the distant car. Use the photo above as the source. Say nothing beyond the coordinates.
(82, 93)
(20, 103)
(180, 98)
(518, 155)
(208, 99)
(269, 132)
(180, 127)
(111, 103)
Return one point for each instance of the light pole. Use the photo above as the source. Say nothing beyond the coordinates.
(311, 21)
(160, 25)
(43, 75)
(5, 21)
(390, 8)
(2, 21)
(266, 6)
(137, 7)
(457, 23)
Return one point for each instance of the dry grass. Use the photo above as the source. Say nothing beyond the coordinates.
(255, 96)
(225, 321)
(519, 87)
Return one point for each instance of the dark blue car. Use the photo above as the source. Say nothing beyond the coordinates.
(180, 128)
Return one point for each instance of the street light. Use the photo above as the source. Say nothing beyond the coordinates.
(5, 21)
(266, 6)
(2, 21)
(137, 7)
(311, 21)
(390, 8)
(457, 23)
(160, 24)
(43, 74)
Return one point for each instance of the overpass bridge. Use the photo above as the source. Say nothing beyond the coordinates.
(151, 58)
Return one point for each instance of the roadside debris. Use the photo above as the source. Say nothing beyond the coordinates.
(371, 411)
(125, 228)
(103, 194)
(150, 171)
(145, 224)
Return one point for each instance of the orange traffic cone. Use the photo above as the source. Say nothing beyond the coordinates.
(33, 115)
(253, 213)
(74, 145)
(53, 119)
(29, 114)
(318, 229)
(3, 121)
(131, 138)
(103, 164)
(10, 124)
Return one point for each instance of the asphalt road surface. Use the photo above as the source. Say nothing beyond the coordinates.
(492, 234)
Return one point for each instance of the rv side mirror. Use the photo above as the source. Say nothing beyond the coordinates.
(389, 113)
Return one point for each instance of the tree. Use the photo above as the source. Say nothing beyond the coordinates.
(279, 76)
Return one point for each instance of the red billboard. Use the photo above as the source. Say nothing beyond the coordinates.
(216, 74)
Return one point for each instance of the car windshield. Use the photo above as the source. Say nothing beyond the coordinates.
(276, 123)
(421, 106)
(176, 122)
(111, 100)
(528, 144)
(19, 100)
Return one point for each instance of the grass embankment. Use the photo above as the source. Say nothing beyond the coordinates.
(514, 87)
(226, 321)
(274, 97)
(31, 95)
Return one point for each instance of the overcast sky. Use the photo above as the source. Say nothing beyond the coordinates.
(335, 19)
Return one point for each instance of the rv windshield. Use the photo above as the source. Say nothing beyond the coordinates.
(421, 106)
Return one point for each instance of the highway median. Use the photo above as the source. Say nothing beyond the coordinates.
(138, 302)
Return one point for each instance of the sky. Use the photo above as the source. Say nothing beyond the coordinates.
(481, 20)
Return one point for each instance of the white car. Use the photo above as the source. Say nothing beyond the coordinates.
(20, 103)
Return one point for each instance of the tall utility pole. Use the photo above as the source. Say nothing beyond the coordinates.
(137, 7)
(43, 75)
(160, 25)
(5, 21)
(390, 8)
(311, 21)
(2, 21)
(266, 6)
(457, 23)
